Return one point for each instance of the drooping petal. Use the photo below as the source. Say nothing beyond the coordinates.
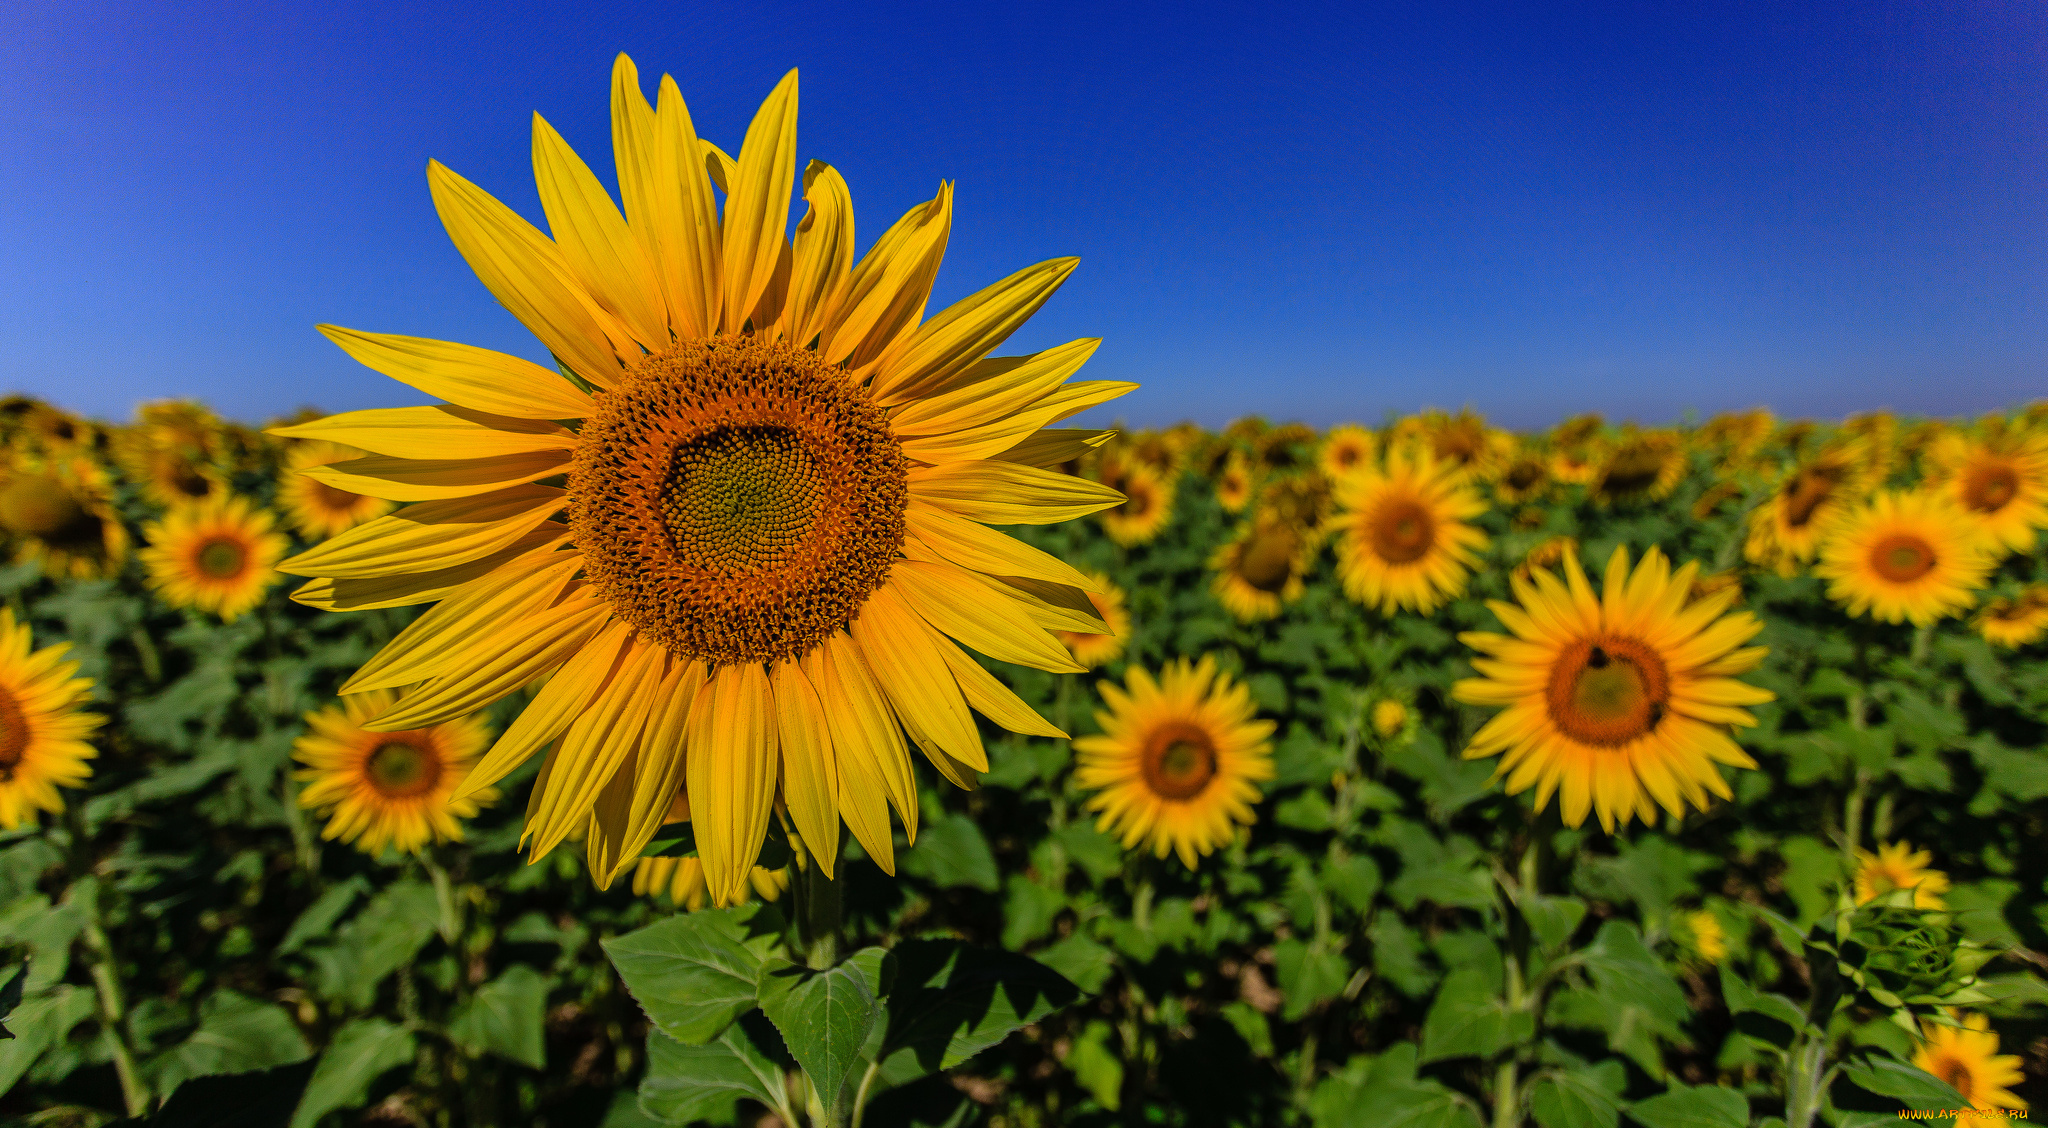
(545, 641)
(822, 264)
(444, 636)
(564, 698)
(406, 589)
(444, 431)
(1007, 493)
(731, 773)
(466, 375)
(920, 687)
(890, 284)
(958, 605)
(810, 771)
(413, 479)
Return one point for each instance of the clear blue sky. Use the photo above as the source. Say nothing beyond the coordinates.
(1323, 215)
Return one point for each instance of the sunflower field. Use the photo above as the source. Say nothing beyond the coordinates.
(769, 716)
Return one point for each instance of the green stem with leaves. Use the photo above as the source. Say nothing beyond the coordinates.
(1807, 1079)
(106, 979)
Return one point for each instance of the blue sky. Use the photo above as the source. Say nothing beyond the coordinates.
(1314, 214)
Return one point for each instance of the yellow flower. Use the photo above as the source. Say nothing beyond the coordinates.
(174, 450)
(1090, 649)
(1306, 501)
(1147, 504)
(1785, 531)
(1641, 467)
(1261, 568)
(1898, 866)
(1709, 939)
(1736, 436)
(1912, 556)
(218, 556)
(1389, 717)
(1347, 448)
(1617, 703)
(1234, 483)
(1405, 539)
(1179, 760)
(1968, 1059)
(681, 881)
(1463, 442)
(2016, 622)
(43, 732)
(1714, 497)
(1526, 478)
(777, 498)
(395, 788)
(1548, 554)
(2003, 484)
(59, 511)
(317, 509)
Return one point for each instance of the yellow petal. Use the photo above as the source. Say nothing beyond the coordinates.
(731, 773)
(430, 535)
(435, 641)
(1073, 399)
(663, 755)
(418, 587)
(992, 391)
(443, 431)
(757, 205)
(822, 265)
(958, 605)
(905, 660)
(1049, 448)
(971, 544)
(604, 843)
(966, 331)
(722, 169)
(553, 709)
(694, 262)
(411, 479)
(1008, 493)
(874, 764)
(464, 374)
(992, 698)
(653, 209)
(597, 744)
(810, 772)
(542, 642)
(593, 239)
(1054, 606)
(891, 284)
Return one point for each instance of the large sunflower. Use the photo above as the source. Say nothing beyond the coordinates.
(1968, 1059)
(43, 732)
(315, 508)
(1092, 650)
(2003, 484)
(1617, 703)
(59, 512)
(385, 787)
(1912, 556)
(1899, 866)
(2018, 621)
(1405, 540)
(218, 556)
(1179, 759)
(1261, 568)
(775, 498)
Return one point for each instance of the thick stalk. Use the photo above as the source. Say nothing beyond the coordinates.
(1803, 1087)
(113, 1015)
(1507, 1111)
(145, 649)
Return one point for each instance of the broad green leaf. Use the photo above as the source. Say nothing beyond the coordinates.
(1097, 1065)
(258, 1099)
(1906, 1085)
(1028, 911)
(1308, 973)
(38, 1023)
(10, 996)
(320, 916)
(1552, 920)
(1087, 964)
(1579, 1098)
(1355, 881)
(236, 1034)
(878, 966)
(824, 1018)
(693, 973)
(1469, 1020)
(391, 929)
(952, 1000)
(504, 1017)
(686, 1083)
(361, 1051)
(1708, 1106)
(1629, 973)
(951, 852)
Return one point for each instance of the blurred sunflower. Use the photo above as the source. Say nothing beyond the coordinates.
(1736, 436)
(1618, 703)
(1306, 500)
(1394, 720)
(1261, 568)
(1234, 483)
(2018, 621)
(174, 450)
(1576, 448)
(1548, 554)
(1284, 449)
(43, 732)
(395, 788)
(1346, 448)
(1405, 540)
(1785, 531)
(1146, 508)
(1640, 467)
(1158, 452)
(1874, 435)
(1464, 442)
(1711, 585)
(1714, 498)
(28, 424)
(1092, 650)
(1179, 760)
(1525, 478)
(1705, 936)
(2003, 484)
(316, 509)
(1968, 1059)
(681, 881)
(777, 498)
(219, 556)
(1904, 556)
(1899, 866)
(59, 512)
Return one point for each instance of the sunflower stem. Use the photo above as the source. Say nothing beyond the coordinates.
(444, 897)
(304, 846)
(106, 981)
(145, 649)
(820, 912)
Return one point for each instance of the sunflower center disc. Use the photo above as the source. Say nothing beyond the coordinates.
(736, 500)
(1990, 488)
(1179, 761)
(334, 499)
(14, 734)
(1268, 561)
(1805, 495)
(1607, 691)
(221, 559)
(1402, 532)
(1902, 559)
(1956, 1074)
(177, 473)
(42, 507)
(398, 769)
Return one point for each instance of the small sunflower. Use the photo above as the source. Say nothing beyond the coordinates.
(1618, 703)
(1904, 556)
(32, 425)
(1092, 650)
(1159, 451)
(60, 513)
(315, 508)
(1406, 541)
(1262, 568)
(175, 450)
(1899, 866)
(1394, 720)
(1705, 936)
(1526, 478)
(681, 881)
(388, 788)
(1785, 531)
(1234, 483)
(1347, 448)
(2016, 622)
(1968, 1059)
(2003, 484)
(1146, 508)
(1714, 498)
(1465, 443)
(1640, 467)
(1284, 449)
(1306, 500)
(219, 556)
(43, 732)
(1875, 437)
(1736, 436)
(1578, 465)
(1179, 760)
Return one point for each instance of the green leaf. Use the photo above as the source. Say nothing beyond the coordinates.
(39, 1023)
(1579, 1098)
(686, 1083)
(1552, 920)
(390, 930)
(1087, 964)
(1627, 972)
(1095, 852)
(236, 1034)
(693, 973)
(361, 1051)
(1309, 810)
(824, 1018)
(1097, 1066)
(1469, 1020)
(257, 1099)
(951, 852)
(1355, 880)
(1889, 1077)
(952, 1000)
(320, 916)
(1781, 1017)
(1708, 1106)
(504, 1017)
(1308, 973)
(878, 966)
(10, 996)
(1028, 911)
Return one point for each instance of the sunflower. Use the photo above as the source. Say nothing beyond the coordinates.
(1526, 477)
(174, 450)
(315, 508)
(1394, 720)
(1579, 464)
(1284, 449)
(1705, 935)
(1159, 452)
(1736, 436)
(681, 881)
(1640, 467)
(2016, 622)
(1179, 760)
(1347, 448)
(1090, 649)
(2003, 484)
(1714, 497)
(1875, 436)
(1147, 504)
(1234, 483)
(1616, 701)
(219, 556)
(43, 732)
(1712, 584)
(1785, 531)
(1899, 866)
(395, 788)
(59, 511)
(1913, 556)
(1463, 442)
(776, 498)
(1305, 500)
(1261, 568)
(32, 425)
(1405, 539)
(1968, 1059)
